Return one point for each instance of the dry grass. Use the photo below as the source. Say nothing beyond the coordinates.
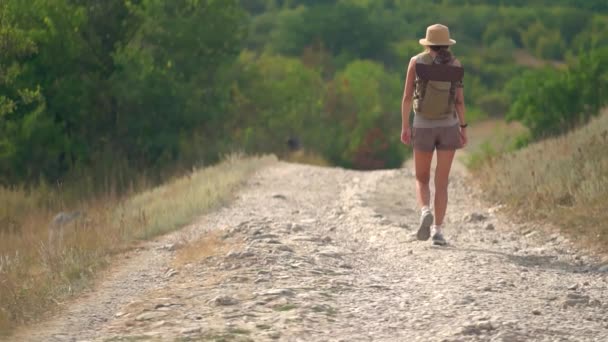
(563, 180)
(36, 275)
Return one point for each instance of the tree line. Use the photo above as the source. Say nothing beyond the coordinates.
(114, 88)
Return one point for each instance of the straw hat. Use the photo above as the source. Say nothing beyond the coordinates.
(437, 35)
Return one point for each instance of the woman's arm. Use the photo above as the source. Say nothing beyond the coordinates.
(408, 95)
(461, 110)
(460, 107)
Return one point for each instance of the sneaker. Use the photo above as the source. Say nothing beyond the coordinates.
(439, 240)
(426, 220)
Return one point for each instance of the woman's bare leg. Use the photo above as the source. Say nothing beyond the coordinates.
(422, 166)
(442, 172)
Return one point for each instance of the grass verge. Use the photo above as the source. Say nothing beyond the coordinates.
(37, 273)
(563, 180)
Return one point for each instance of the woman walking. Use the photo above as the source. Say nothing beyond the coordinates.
(434, 87)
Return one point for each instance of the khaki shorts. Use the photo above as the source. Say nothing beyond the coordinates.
(441, 138)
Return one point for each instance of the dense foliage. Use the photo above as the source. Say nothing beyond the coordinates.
(550, 102)
(87, 83)
(120, 86)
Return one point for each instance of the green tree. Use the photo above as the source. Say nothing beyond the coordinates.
(364, 102)
(346, 30)
(45, 84)
(551, 102)
(275, 98)
(168, 78)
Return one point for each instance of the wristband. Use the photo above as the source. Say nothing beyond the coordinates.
(464, 126)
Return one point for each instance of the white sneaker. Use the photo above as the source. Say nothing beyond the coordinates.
(439, 240)
(426, 220)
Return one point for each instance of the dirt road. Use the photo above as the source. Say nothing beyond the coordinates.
(323, 254)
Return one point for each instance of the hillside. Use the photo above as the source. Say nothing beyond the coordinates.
(562, 180)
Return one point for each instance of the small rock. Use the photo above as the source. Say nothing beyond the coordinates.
(536, 312)
(275, 335)
(170, 273)
(224, 301)
(263, 236)
(603, 269)
(239, 279)
(466, 300)
(573, 287)
(475, 217)
(577, 296)
(279, 196)
(297, 227)
(495, 209)
(172, 246)
(489, 226)
(595, 303)
(146, 316)
(477, 328)
(191, 330)
(120, 314)
(531, 234)
(278, 292)
(285, 248)
(575, 299)
(508, 336)
(158, 324)
(330, 253)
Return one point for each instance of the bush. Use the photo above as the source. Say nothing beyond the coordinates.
(550, 101)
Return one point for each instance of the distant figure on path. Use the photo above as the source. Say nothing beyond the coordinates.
(294, 143)
(434, 87)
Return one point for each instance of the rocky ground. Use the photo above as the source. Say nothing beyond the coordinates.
(323, 254)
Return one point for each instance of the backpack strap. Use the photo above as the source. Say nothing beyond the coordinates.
(421, 83)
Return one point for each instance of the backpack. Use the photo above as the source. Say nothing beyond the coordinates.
(435, 88)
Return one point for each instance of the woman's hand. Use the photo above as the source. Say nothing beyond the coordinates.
(463, 136)
(406, 135)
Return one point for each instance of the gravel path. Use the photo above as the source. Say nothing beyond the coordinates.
(322, 254)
